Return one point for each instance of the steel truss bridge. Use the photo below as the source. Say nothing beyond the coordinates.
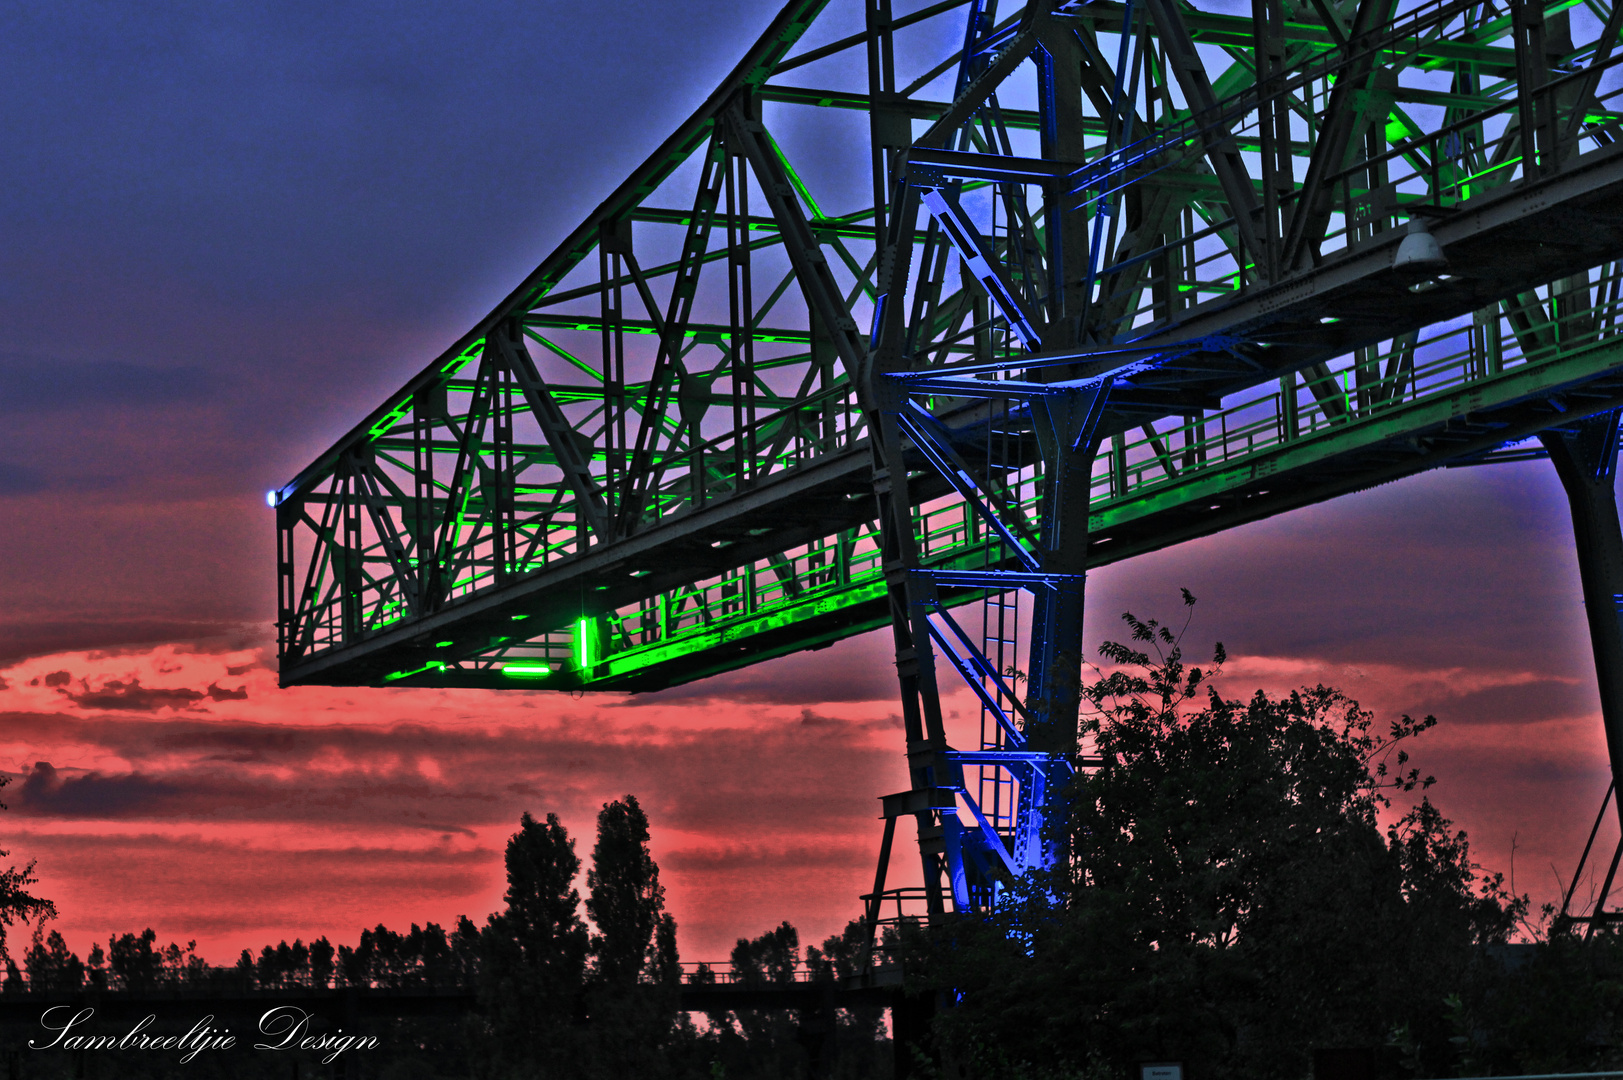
(924, 311)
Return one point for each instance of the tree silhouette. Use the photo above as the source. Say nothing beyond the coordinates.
(633, 986)
(51, 965)
(535, 956)
(626, 900)
(135, 964)
(1231, 898)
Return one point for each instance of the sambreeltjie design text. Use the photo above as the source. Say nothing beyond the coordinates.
(285, 1027)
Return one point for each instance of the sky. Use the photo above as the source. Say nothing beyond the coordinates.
(231, 229)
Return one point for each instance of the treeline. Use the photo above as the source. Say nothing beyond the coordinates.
(424, 956)
(557, 996)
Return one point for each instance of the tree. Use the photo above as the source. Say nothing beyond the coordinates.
(626, 901)
(636, 973)
(1558, 1007)
(770, 958)
(321, 962)
(534, 961)
(1231, 900)
(51, 965)
(96, 968)
(859, 1030)
(135, 964)
(770, 1045)
(667, 964)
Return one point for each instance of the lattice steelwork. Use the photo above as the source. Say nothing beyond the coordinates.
(922, 307)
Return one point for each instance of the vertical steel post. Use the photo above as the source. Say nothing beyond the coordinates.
(1585, 458)
(1064, 426)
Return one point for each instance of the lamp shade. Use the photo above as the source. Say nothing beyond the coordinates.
(1419, 256)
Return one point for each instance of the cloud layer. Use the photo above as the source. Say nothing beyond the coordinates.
(760, 810)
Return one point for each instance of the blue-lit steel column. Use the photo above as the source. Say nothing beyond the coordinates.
(931, 420)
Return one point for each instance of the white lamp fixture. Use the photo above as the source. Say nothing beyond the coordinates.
(1419, 260)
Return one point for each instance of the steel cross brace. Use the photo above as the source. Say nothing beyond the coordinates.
(972, 248)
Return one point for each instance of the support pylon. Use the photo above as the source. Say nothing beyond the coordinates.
(1585, 458)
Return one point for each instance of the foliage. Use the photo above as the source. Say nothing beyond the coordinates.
(1231, 900)
(555, 998)
(16, 903)
(780, 1043)
(770, 958)
(134, 964)
(863, 1046)
(1551, 1006)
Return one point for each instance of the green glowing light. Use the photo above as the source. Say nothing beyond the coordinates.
(459, 361)
(583, 644)
(443, 644)
(431, 666)
(794, 178)
(382, 427)
(526, 671)
(565, 353)
(520, 618)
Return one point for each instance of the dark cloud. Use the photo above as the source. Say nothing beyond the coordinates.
(23, 636)
(41, 781)
(787, 778)
(448, 830)
(46, 792)
(58, 678)
(1524, 703)
(217, 692)
(133, 697)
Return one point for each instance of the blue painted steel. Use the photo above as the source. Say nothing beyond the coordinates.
(1033, 741)
(972, 249)
(1120, 361)
(974, 669)
(918, 423)
(998, 580)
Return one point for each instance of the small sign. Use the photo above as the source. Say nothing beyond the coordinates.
(1161, 1070)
